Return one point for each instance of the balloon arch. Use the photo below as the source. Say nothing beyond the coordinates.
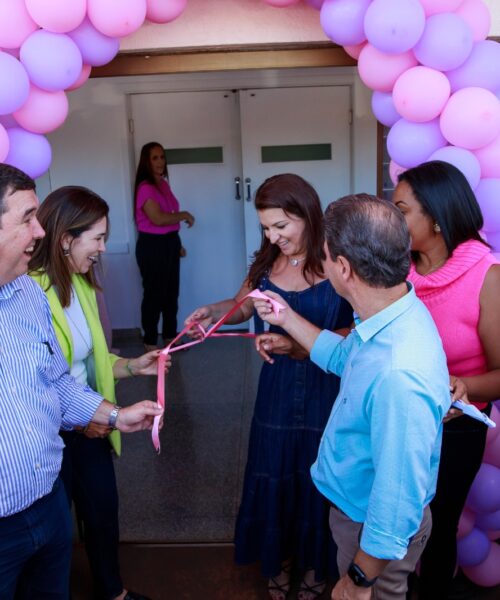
(435, 82)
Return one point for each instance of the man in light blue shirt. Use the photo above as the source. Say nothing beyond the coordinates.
(38, 397)
(379, 455)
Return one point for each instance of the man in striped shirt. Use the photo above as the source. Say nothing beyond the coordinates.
(38, 397)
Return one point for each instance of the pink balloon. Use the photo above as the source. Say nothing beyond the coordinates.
(343, 21)
(383, 108)
(487, 574)
(480, 69)
(84, 75)
(464, 160)
(395, 171)
(492, 450)
(4, 143)
(116, 18)
(489, 158)
(96, 48)
(466, 523)
(315, 3)
(471, 118)
(281, 3)
(477, 16)
(484, 494)
(43, 111)
(58, 50)
(159, 11)
(58, 16)
(355, 51)
(14, 84)
(380, 71)
(493, 535)
(29, 152)
(394, 26)
(15, 23)
(433, 7)
(410, 144)
(420, 94)
(446, 42)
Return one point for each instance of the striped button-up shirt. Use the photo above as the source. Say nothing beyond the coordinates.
(38, 397)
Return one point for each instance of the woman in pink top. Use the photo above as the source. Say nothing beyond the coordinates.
(158, 249)
(458, 279)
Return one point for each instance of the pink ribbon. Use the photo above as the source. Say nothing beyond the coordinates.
(160, 391)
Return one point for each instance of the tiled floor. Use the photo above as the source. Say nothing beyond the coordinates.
(177, 510)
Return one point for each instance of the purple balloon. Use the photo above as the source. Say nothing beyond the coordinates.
(488, 196)
(446, 42)
(52, 60)
(14, 84)
(96, 48)
(490, 521)
(394, 26)
(484, 494)
(410, 144)
(473, 548)
(8, 121)
(480, 69)
(463, 160)
(317, 4)
(342, 20)
(29, 152)
(383, 108)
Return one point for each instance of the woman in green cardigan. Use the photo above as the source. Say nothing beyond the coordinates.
(75, 221)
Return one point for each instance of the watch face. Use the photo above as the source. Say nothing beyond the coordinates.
(358, 577)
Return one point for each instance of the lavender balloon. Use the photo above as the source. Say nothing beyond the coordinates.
(490, 521)
(473, 548)
(383, 108)
(29, 152)
(394, 26)
(464, 160)
(52, 60)
(410, 144)
(480, 69)
(14, 84)
(342, 20)
(96, 48)
(488, 196)
(484, 494)
(445, 43)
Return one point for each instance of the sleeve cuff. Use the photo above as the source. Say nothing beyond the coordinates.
(381, 545)
(323, 347)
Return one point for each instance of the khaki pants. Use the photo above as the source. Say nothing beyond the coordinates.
(392, 584)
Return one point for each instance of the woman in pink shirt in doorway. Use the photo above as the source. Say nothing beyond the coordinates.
(458, 279)
(158, 251)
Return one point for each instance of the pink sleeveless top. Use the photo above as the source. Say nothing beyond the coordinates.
(451, 295)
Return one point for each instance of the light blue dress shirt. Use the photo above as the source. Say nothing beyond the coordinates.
(379, 455)
(37, 397)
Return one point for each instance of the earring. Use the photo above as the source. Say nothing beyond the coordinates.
(437, 229)
(65, 251)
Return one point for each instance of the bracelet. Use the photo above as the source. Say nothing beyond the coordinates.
(129, 370)
(113, 416)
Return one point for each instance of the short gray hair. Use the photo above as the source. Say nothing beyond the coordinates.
(372, 235)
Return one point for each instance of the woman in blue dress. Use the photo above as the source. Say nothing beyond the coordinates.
(283, 519)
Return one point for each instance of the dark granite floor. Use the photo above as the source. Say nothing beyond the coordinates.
(177, 510)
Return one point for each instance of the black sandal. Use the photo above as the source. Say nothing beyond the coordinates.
(283, 589)
(316, 590)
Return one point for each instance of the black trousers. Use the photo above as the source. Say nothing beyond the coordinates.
(158, 257)
(88, 475)
(462, 452)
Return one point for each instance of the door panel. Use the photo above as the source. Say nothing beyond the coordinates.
(197, 128)
(301, 130)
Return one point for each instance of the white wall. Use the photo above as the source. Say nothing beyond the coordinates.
(93, 148)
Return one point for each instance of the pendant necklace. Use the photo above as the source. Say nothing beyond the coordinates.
(295, 262)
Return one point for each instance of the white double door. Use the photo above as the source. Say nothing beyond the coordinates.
(220, 194)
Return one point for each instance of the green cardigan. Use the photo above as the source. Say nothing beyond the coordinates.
(104, 360)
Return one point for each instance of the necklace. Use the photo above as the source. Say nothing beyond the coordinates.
(295, 262)
(435, 267)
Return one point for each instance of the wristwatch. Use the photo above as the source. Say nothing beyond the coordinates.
(358, 576)
(113, 415)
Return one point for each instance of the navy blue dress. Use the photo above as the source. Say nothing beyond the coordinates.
(282, 515)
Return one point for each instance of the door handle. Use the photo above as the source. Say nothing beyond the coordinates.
(237, 195)
(248, 183)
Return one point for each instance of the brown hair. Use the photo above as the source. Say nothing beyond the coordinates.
(144, 171)
(296, 197)
(73, 210)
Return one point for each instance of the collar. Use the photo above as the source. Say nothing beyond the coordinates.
(9, 289)
(369, 328)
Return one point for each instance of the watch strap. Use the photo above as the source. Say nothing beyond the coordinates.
(358, 577)
(113, 416)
